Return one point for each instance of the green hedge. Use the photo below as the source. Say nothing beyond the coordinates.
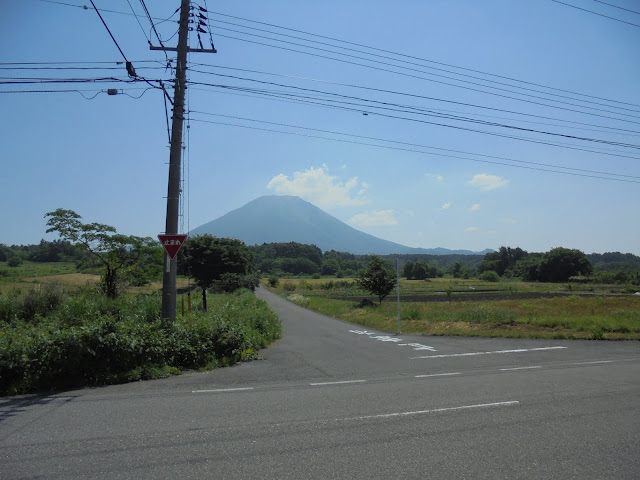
(90, 340)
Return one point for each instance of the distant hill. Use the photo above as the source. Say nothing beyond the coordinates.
(283, 218)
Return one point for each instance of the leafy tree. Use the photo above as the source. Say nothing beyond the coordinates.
(119, 255)
(4, 253)
(527, 268)
(407, 270)
(420, 270)
(457, 270)
(210, 260)
(502, 261)
(378, 278)
(330, 266)
(14, 260)
(559, 264)
(490, 276)
(55, 251)
(299, 265)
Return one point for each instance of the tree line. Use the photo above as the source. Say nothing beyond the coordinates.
(228, 264)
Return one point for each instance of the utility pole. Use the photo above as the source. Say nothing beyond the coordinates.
(398, 293)
(169, 292)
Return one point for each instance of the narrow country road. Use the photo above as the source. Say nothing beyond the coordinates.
(331, 400)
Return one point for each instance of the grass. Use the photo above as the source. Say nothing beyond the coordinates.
(52, 338)
(571, 316)
(24, 277)
(331, 287)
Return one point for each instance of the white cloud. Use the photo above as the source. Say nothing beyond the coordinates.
(488, 182)
(475, 207)
(375, 218)
(318, 187)
(471, 229)
(446, 206)
(438, 178)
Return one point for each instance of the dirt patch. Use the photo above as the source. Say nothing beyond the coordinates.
(76, 279)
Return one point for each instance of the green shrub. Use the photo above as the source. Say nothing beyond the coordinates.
(92, 340)
(273, 282)
(490, 276)
(14, 261)
(289, 286)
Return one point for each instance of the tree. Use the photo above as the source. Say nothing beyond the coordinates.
(116, 253)
(457, 270)
(502, 261)
(330, 266)
(222, 263)
(490, 276)
(558, 264)
(378, 278)
(407, 270)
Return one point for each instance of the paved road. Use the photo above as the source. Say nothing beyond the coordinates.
(333, 400)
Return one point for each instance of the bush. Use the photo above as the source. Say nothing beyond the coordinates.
(91, 340)
(490, 276)
(289, 286)
(230, 282)
(14, 261)
(273, 282)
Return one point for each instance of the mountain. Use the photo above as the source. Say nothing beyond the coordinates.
(283, 218)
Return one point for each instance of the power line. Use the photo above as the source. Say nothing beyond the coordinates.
(153, 26)
(411, 144)
(596, 13)
(422, 71)
(359, 111)
(423, 112)
(418, 151)
(616, 6)
(406, 94)
(129, 64)
(422, 78)
(378, 49)
(138, 20)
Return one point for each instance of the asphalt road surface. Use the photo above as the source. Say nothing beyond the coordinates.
(331, 400)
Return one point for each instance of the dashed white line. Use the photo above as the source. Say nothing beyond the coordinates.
(593, 363)
(438, 375)
(221, 390)
(471, 354)
(519, 368)
(436, 410)
(343, 382)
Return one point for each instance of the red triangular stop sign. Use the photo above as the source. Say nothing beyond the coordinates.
(172, 243)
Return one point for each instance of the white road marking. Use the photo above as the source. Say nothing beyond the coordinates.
(393, 339)
(337, 383)
(593, 363)
(438, 375)
(435, 410)
(519, 368)
(217, 390)
(471, 354)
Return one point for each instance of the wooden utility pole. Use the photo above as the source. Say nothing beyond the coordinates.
(169, 292)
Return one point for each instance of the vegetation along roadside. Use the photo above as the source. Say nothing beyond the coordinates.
(473, 307)
(63, 329)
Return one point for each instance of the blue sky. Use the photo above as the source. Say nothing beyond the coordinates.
(382, 165)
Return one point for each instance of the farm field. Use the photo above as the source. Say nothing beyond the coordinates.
(475, 308)
(34, 275)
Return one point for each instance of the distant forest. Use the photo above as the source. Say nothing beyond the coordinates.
(559, 264)
(296, 259)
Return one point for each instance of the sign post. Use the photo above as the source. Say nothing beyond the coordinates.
(172, 244)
